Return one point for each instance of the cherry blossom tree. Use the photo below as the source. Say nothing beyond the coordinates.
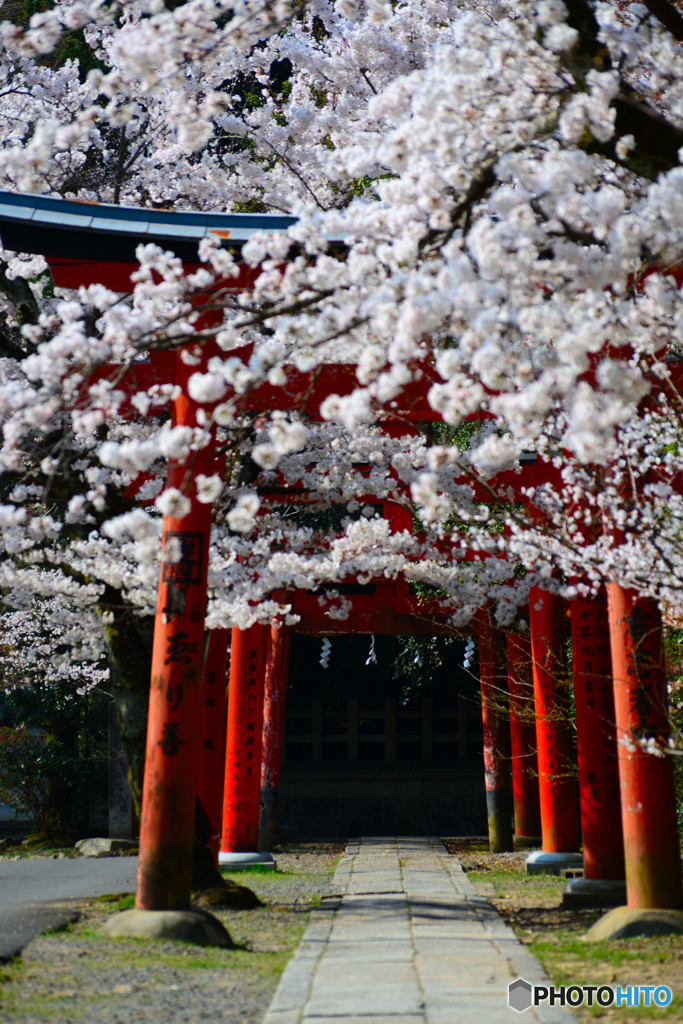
(505, 179)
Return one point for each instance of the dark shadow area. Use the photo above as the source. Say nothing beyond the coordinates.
(383, 737)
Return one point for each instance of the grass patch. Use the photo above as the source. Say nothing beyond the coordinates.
(253, 871)
(532, 905)
(13, 997)
(652, 961)
(118, 901)
(509, 881)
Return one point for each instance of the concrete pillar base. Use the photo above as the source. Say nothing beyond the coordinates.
(594, 892)
(541, 862)
(242, 861)
(526, 842)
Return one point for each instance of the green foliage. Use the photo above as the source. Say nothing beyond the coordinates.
(28, 766)
(251, 206)
(460, 436)
(425, 664)
(71, 46)
(53, 757)
(319, 97)
(318, 29)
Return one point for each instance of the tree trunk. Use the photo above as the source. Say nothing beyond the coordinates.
(128, 639)
(207, 881)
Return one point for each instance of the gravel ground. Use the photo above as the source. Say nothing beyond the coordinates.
(80, 976)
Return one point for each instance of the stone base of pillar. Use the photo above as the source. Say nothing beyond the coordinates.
(540, 862)
(632, 922)
(242, 861)
(191, 925)
(594, 892)
(526, 842)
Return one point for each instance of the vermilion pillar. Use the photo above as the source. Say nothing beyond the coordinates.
(523, 738)
(556, 778)
(242, 787)
(603, 846)
(274, 707)
(170, 783)
(648, 802)
(212, 735)
(494, 699)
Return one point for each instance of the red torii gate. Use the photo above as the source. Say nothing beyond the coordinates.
(635, 632)
(256, 708)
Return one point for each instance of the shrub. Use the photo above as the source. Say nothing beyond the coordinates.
(53, 758)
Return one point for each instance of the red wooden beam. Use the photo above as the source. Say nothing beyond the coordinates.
(382, 607)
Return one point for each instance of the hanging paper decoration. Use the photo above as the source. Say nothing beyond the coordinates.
(417, 660)
(372, 657)
(325, 652)
(469, 652)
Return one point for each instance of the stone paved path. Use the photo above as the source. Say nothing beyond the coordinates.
(408, 941)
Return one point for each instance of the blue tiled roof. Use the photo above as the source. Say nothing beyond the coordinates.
(72, 228)
(75, 214)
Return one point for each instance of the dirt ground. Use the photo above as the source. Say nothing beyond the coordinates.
(532, 906)
(79, 976)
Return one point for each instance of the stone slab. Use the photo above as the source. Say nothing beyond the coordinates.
(340, 990)
(375, 1001)
(455, 929)
(455, 948)
(489, 1010)
(371, 951)
(293, 990)
(474, 974)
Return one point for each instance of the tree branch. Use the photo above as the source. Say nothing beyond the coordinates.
(667, 15)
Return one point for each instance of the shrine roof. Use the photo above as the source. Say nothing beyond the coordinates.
(90, 230)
